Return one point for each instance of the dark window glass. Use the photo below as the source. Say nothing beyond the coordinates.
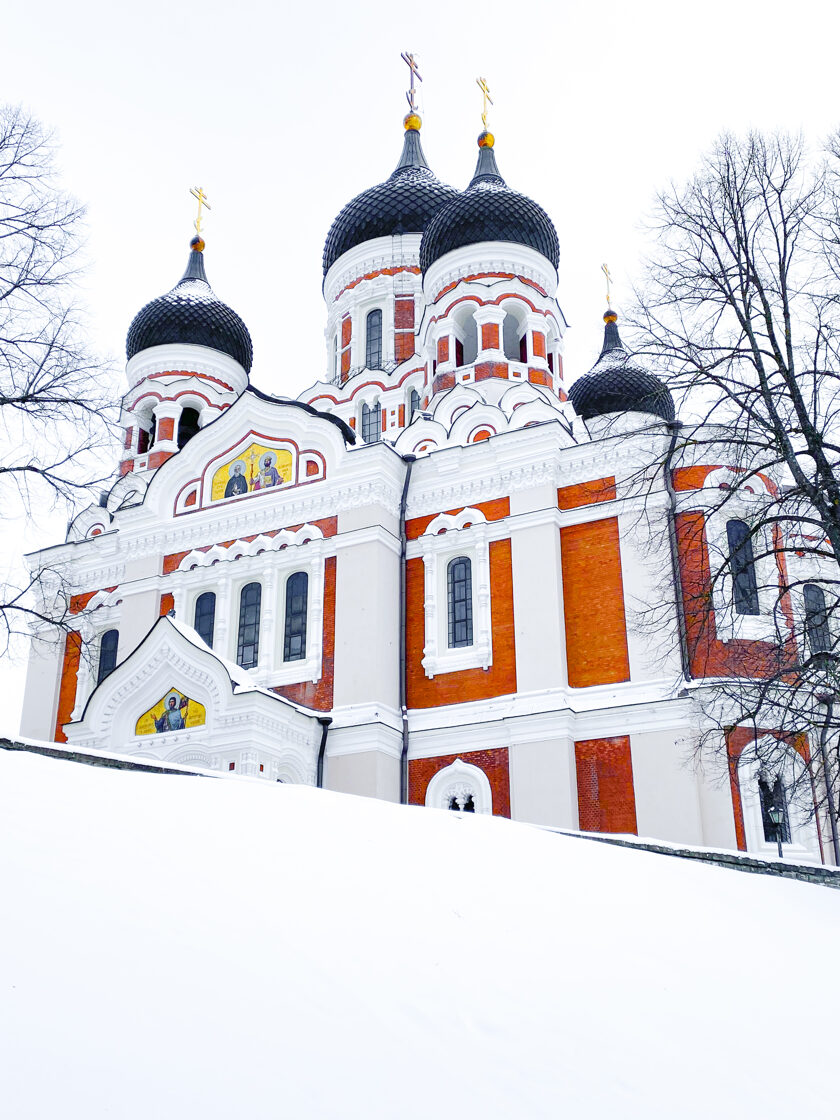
(142, 441)
(551, 361)
(523, 348)
(816, 619)
(467, 807)
(371, 423)
(294, 643)
(459, 596)
(205, 616)
(107, 654)
(772, 795)
(187, 426)
(248, 644)
(153, 431)
(459, 352)
(373, 340)
(413, 404)
(742, 564)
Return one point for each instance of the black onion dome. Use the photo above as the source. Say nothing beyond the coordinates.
(191, 313)
(404, 203)
(489, 210)
(617, 383)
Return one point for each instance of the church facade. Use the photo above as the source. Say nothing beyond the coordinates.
(442, 575)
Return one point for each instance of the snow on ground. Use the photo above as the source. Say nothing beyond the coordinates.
(175, 946)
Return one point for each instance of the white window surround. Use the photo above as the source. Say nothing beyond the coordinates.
(741, 506)
(804, 845)
(101, 614)
(446, 537)
(460, 780)
(270, 569)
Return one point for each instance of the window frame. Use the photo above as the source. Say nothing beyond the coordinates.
(204, 595)
(290, 615)
(100, 675)
(378, 343)
(459, 589)
(240, 644)
(367, 411)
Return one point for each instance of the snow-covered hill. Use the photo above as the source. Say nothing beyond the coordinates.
(183, 947)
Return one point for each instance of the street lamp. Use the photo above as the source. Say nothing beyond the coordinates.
(777, 816)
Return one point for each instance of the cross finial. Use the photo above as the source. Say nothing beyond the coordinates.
(485, 99)
(606, 273)
(411, 63)
(201, 198)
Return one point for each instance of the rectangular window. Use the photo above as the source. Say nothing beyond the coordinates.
(248, 642)
(373, 340)
(294, 642)
(459, 596)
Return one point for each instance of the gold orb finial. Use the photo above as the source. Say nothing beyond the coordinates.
(412, 122)
(197, 243)
(486, 139)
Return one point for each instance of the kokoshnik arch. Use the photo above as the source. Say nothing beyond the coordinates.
(424, 578)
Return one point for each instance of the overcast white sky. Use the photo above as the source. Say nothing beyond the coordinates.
(283, 112)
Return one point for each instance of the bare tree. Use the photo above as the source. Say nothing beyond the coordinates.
(741, 308)
(53, 392)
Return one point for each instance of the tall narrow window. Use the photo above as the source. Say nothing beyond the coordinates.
(294, 642)
(742, 565)
(187, 426)
(248, 643)
(107, 654)
(413, 404)
(371, 423)
(459, 598)
(205, 616)
(772, 796)
(816, 619)
(334, 365)
(373, 340)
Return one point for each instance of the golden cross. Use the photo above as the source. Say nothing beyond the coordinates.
(485, 95)
(411, 63)
(198, 193)
(606, 272)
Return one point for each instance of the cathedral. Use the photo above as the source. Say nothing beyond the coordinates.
(435, 577)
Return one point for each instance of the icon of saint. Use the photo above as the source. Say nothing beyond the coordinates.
(237, 483)
(174, 717)
(268, 475)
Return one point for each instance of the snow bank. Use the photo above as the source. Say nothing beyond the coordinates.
(178, 947)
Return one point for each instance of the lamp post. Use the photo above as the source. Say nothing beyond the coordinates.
(777, 816)
(827, 699)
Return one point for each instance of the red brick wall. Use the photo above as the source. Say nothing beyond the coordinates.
(69, 678)
(404, 327)
(167, 603)
(489, 336)
(465, 684)
(319, 694)
(709, 656)
(593, 604)
(443, 350)
(586, 493)
(606, 800)
(493, 510)
(494, 764)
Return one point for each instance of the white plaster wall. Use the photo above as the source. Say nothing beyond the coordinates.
(538, 608)
(667, 799)
(543, 783)
(367, 625)
(716, 810)
(650, 614)
(139, 612)
(40, 696)
(366, 774)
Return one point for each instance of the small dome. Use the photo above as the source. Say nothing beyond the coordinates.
(404, 203)
(191, 313)
(617, 383)
(489, 210)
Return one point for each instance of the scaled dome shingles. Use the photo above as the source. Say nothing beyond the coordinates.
(615, 384)
(191, 313)
(403, 203)
(489, 211)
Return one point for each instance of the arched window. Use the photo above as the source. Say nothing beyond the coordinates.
(460, 787)
(413, 404)
(816, 619)
(742, 565)
(294, 642)
(205, 616)
(107, 654)
(514, 341)
(373, 340)
(248, 643)
(187, 426)
(771, 793)
(371, 422)
(459, 600)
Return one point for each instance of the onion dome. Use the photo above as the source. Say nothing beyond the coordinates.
(489, 210)
(191, 313)
(617, 383)
(404, 203)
